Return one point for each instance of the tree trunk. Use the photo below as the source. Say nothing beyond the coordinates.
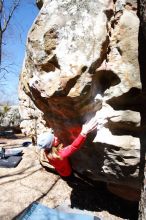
(142, 203)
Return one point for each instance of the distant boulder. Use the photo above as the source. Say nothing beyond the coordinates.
(10, 118)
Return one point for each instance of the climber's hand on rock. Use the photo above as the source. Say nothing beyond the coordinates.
(89, 126)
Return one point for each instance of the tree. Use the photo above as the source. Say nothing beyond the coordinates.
(13, 33)
(5, 19)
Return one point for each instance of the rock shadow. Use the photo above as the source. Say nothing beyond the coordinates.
(133, 100)
(96, 198)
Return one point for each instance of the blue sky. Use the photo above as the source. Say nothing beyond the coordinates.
(14, 48)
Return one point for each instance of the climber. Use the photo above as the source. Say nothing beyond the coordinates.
(57, 155)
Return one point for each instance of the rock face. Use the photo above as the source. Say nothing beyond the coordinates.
(62, 84)
(39, 3)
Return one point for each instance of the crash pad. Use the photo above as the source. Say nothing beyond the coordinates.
(13, 152)
(4, 153)
(26, 143)
(10, 162)
(37, 211)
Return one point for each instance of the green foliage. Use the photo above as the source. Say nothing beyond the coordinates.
(6, 108)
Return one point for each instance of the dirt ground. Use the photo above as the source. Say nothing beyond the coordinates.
(29, 182)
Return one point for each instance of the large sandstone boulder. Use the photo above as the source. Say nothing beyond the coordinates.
(62, 85)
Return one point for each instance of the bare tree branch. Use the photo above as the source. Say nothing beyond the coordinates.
(6, 21)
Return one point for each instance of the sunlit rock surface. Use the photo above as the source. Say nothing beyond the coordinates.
(62, 84)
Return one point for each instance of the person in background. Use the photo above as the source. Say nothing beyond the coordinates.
(57, 154)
